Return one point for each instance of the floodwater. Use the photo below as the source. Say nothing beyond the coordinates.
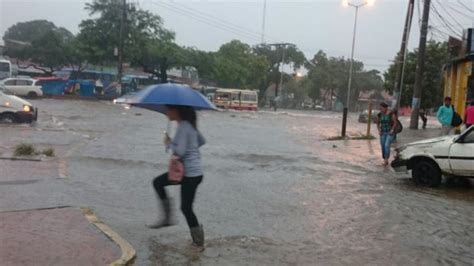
(275, 191)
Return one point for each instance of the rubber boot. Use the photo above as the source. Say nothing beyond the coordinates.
(197, 234)
(167, 220)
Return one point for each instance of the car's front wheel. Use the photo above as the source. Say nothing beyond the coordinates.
(8, 118)
(426, 173)
(32, 95)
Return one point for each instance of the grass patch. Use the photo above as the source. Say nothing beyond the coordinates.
(48, 152)
(24, 150)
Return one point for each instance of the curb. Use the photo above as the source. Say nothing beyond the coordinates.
(128, 252)
(20, 159)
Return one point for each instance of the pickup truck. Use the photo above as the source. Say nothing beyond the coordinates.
(430, 159)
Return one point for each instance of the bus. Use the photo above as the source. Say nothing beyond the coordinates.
(236, 99)
(5, 69)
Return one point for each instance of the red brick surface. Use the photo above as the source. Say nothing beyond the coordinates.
(53, 237)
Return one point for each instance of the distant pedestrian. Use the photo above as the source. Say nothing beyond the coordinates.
(445, 116)
(184, 145)
(469, 117)
(423, 117)
(386, 124)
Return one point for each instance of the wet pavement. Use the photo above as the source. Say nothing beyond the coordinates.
(275, 191)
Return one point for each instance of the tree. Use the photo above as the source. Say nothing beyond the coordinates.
(234, 65)
(436, 57)
(156, 57)
(29, 31)
(290, 55)
(101, 34)
(332, 75)
(48, 51)
(38, 41)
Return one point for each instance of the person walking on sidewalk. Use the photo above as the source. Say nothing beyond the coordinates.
(386, 124)
(423, 117)
(469, 117)
(445, 116)
(184, 145)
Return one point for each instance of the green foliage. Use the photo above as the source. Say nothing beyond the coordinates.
(48, 152)
(101, 34)
(332, 74)
(157, 56)
(24, 150)
(33, 30)
(39, 41)
(274, 55)
(436, 57)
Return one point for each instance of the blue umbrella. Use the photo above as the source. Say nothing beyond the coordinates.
(156, 97)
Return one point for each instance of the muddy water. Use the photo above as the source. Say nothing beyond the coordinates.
(275, 191)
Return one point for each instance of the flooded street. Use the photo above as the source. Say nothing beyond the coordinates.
(275, 191)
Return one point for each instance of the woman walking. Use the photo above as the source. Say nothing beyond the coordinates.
(185, 145)
(386, 124)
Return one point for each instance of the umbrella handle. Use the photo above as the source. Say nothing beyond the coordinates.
(168, 129)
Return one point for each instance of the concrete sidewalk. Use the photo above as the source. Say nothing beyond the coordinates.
(60, 236)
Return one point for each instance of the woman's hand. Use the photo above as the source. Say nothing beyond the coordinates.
(167, 140)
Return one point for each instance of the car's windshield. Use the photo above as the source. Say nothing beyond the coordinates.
(469, 138)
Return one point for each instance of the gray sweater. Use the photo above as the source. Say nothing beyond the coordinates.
(186, 145)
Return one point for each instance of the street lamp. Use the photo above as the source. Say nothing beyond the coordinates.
(348, 3)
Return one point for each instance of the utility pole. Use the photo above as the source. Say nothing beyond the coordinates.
(398, 86)
(121, 41)
(263, 20)
(420, 67)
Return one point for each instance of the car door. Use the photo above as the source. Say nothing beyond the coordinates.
(461, 154)
(10, 84)
(23, 86)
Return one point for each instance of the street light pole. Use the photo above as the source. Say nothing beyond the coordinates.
(121, 41)
(349, 83)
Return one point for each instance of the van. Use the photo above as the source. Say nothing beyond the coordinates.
(14, 109)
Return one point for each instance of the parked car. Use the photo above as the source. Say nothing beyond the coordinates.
(23, 87)
(14, 109)
(429, 159)
(364, 116)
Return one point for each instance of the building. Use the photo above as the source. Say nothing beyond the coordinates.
(457, 74)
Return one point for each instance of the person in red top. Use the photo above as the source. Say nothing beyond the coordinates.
(469, 117)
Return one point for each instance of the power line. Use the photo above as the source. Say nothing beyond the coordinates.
(460, 12)
(445, 22)
(211, 23)
(449, 14)
(465, 6)
(212, 19)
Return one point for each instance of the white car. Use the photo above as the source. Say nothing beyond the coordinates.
(14, 109)
(22, 87)
(430, 159)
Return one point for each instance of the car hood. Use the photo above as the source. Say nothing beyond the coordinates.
(430, 141)
(18, 99)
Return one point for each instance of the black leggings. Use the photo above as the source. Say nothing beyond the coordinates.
(188, 191)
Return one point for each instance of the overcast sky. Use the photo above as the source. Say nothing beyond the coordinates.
(312, 24)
